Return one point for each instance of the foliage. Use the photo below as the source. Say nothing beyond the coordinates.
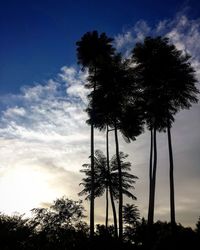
(198, 226)
(93, 50)
(60, 225)
(131, 214)
(64, 213)
(19, 233)
(128, 179)
(168, 84)
(115, 99)
(15, 232)
(102, 175)
(166, 78)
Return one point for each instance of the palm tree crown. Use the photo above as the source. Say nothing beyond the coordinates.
(102, 176)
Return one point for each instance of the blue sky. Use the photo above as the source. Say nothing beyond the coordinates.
(43, 136)
(39, 36)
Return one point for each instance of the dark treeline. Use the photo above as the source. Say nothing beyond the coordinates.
(62, 226)
(127, 96)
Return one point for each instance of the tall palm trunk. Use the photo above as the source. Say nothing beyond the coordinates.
(110, 184)
(120, 185)
(154, 172)
(92, 168)
(92, 184)
(153, 184)
(150, 180)
(171, 177)
(107, 207)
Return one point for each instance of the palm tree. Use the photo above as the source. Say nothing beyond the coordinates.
(92, 51)
(168, 84)
(101, 180)
(105, 180)
(143, 55)
(131, 214)
(100, 173)
(128, 180)
(180, 93)
(106, 100)
(115, 107)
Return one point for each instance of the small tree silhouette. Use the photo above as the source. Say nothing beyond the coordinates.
(102, 182)
(198, 226)
(131, 216)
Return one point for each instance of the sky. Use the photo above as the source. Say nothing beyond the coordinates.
(44, 139)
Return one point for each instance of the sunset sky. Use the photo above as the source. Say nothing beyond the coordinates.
(44, 139)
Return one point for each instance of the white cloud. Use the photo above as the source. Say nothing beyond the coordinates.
(136, 34)
(15, 111)
(74, 82)
(182, 31)
(42, 131)
(185, 34)
(124, 42)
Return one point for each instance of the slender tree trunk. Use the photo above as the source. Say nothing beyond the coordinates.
(120, 186)
(92, 170)
(154, 172)
(171, 177)
(110, 184)
(92, 184)
(150, 180)
(106, 208)
(153, 184)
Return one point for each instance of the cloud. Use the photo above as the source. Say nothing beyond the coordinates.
(44, 139)
(125, 42)
(15, 111)
(45, 110)
(181, 30)
(74, 82)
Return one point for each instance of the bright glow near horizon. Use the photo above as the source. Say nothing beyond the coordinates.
(23, 188)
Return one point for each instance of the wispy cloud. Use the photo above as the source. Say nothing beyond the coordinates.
(181, 30)
(43, 131)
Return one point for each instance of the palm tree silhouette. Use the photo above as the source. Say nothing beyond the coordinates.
(106, 101)
(168, 85)
(131, 214)
(128, 180)
(114, 106)
(144, 56)
(92, 51)
(105, 180)
(101, 180)
(179, 92)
